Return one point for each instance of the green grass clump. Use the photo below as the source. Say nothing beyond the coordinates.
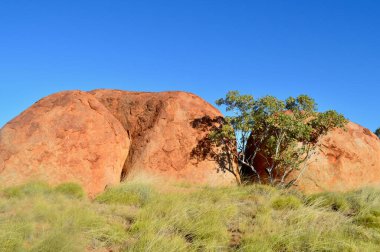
(194, 221)
(70, 189)
(29, 189)
(138, 216)
(132, 193)
(333, 201)
(286, 202)
(35, 217)
(368, 220)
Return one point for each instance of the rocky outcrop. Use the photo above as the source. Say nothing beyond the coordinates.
(68, 136)
(347, 159)
(99, 138)
(160, 126)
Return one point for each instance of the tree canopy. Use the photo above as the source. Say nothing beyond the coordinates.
(377, 132)
(283, 133)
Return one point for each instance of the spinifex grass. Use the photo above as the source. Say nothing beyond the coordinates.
(138, 216)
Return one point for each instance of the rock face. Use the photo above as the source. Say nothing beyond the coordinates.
(160, 127)
(348, 159)
(68, 136)
(99, 138)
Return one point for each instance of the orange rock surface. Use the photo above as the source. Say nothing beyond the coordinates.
(347, 159)
(99, 138)
(68, 136)
(160, 126)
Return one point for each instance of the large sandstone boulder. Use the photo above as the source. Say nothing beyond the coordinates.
(99, 138)
(68, 136)
(347, 159)
(160, 127)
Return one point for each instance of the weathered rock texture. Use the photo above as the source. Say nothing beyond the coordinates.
(68, 136)
(347, 159)
(99, 138)
(160, 126)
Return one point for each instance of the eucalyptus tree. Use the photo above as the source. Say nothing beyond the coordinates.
(283, 133)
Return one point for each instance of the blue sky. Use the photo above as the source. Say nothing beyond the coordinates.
(328, 49)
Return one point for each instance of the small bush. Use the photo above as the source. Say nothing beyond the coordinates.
(70, 189)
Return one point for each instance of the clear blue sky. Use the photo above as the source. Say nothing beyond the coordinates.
(329, 49)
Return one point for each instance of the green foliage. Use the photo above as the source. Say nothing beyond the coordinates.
(194, 222)
(246, 218)
(71, 189)
(35, 217)
(364, 201)
(377, 132)
(137, 194)
(286, 202)
(29, 189)
(368, 220)
(333, 201)
(36, 188)
(283, 133)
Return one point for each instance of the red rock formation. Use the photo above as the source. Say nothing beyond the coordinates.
(160, 126)
(348, 159)
(68, 136)
(98, 138)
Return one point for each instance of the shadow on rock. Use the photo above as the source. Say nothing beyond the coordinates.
(207, 149)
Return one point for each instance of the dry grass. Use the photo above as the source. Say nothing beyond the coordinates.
(136, 216)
